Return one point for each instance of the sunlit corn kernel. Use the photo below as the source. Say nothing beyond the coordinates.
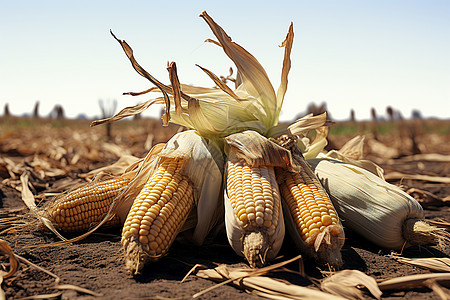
(259, 215)
(309, 223)
(158, 222)
(141, 212)
(316, 219)
(145, 226)
(326, 220)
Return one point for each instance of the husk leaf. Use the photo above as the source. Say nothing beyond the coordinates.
(414, 281)
(204, 168)
(352, 153)
(253, 282)
(435, 264)
(346, 283)
(256, 150)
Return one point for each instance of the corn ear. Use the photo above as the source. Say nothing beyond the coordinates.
(157, 214)
(253, 214)
(185, 175)
(205, 169)
(377, 210)
(310, 216)
(82, 208)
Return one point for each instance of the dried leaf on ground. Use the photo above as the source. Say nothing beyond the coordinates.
(13, 263)
(399, 175)
(435, 264)
(413, 281)
(28, 199)
(426, 198)
(346, 283)
(251, 281)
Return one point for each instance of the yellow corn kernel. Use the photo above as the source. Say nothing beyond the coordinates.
(310, 207)
(81, 209)
(255, 200)
(157, 214)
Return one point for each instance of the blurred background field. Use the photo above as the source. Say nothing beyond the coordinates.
(67, 147)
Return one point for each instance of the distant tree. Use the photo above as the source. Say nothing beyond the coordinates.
(6, 112)
(373, 113)
(59, 112)
(108, 109)
(36, 110)
(318, 109)
(390, 112)
(352, 115)
(81, 117)
(374, 124)
(416, 114)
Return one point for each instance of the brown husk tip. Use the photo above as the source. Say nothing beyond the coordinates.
(328, 246)
(419, 232)
(136, 257)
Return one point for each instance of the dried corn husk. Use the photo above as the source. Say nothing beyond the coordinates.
(414, 281)
(218, 112)
(435, 264)
(253, 282)
(346, 283)
(202, 163)
(352, 153)
(377, 210)
(204, 168)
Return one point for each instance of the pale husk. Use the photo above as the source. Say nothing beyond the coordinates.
(352, 153)
(202, 164)
(377, 210)
(309, 134)
(414, 281)
(218, 112)
(204, 168)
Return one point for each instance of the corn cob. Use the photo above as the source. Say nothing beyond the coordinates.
(157, 215)
(81, 209)
(255, 199)
(309, 214)
(253, 214)
(317, 230)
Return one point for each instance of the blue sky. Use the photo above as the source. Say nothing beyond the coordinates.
(349, 54)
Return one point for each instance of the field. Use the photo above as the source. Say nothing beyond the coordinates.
(56, 154)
